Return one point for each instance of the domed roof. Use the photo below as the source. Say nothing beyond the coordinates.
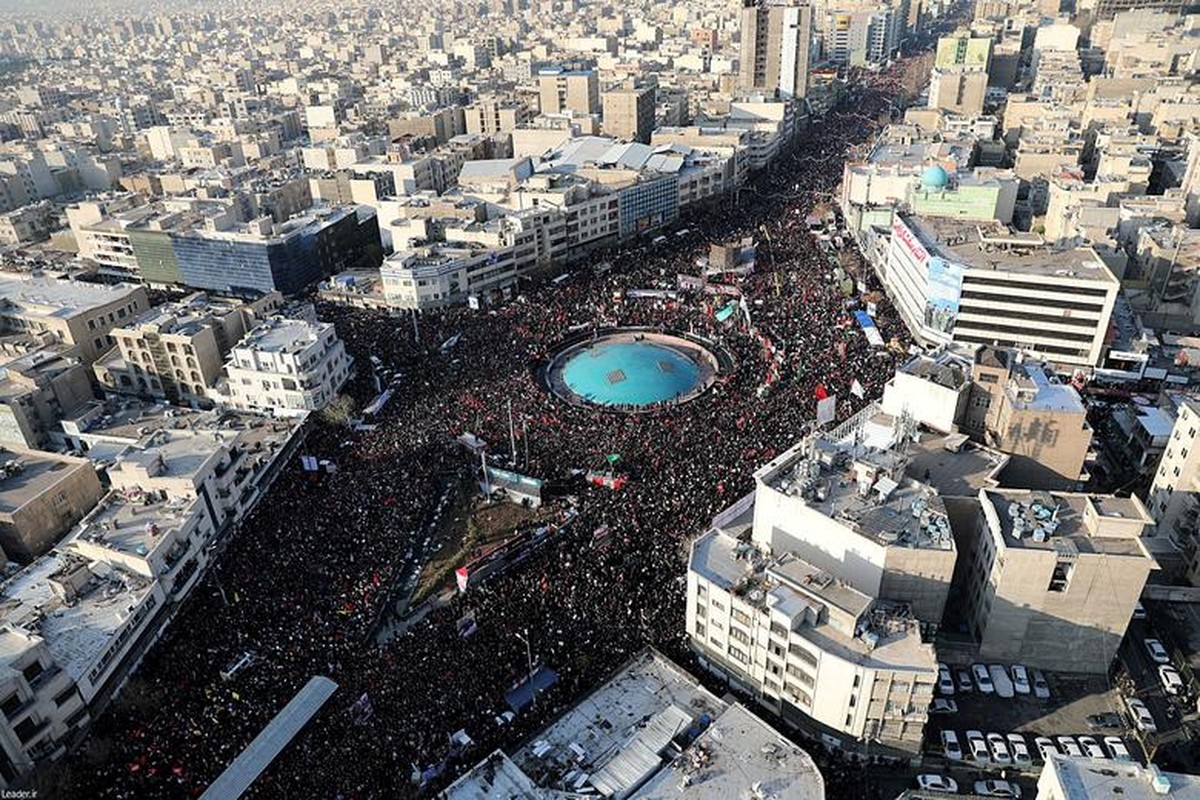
(935, 177)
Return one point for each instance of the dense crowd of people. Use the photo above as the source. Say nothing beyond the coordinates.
(302, 581)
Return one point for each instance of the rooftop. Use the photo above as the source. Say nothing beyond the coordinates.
(1069, 523)
(621, 741)
(1087, 779)
(27, 474)
(76, 633)
(993, 246)
(1031, 389)
(48, 297)
(279, 334)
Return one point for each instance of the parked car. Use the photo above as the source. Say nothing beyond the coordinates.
(504, 718)
(1142, 717)
(1020, 750)
(945, 680)
(1020, 679)
(941, 705)
(1157, 652)
(1139, 610)
(1091, 748)
(1045, 747)
(964, 680)
(997, 789)
(1069, 747)
(1106, 720)
(1000, 680)
(983, 678)
(978, 745)
(1170, 678)
(950, 746)
(1117, 748)
(1041, 689)
(999, 748)
(937, 783)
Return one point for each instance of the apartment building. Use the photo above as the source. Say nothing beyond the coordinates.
(629, 113)
(176, 351)
(561, 90)
(38, 386)
(41, 496)
(286, 367)
(68, 312)
(495, 116)
(982, 283)
(1174, 497)
(1052, 577)
(775, 44)
(811, 593)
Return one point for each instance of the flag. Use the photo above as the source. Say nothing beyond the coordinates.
(826, 409)
(857, 390)
(820, 392)
(613, 458)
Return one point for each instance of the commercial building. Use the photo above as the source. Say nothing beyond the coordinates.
(811, 594)
(651, 731)
(629, 113)
(175, 351)
(561, 90)
(41, 496)
(775, 47)
(67, 312)
(208, 249)
(984, 284)
(1051, 578)
(286, 367)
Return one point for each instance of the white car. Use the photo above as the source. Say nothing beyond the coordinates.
(1020, 750)
(982, 678)
(937, 783)
(997, 789)
(1091, 748)
(964, 680)
(1045, 747)
(1041, 689)
(945, 680)
(941, 705)
(999, 749)
(950, 746)
(1069, 747)
(1139, 610)
(1171, 680)
(1157, 652)
(1020, 679)
(1142, 717)
(1117, 747)
(978, 745)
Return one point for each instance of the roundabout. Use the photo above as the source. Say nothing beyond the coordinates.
(633, 369)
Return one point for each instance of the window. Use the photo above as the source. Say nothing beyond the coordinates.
(701, 612)
(779, 630)
(1060, 580)
(803, 655)
(64, 697)
(717, 606)
(32, 671)
(26, 730)
(739, 635)
(741, 616)
(738, 655)
(11, 704)
(700, 630)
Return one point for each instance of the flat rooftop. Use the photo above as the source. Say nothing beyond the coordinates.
(49, 297)
(993, 246)
(1061, 516)
(27, 474)
(650, 733)
(1037, 391)
(954, 467)
(279, 334)
(1088, 779)
(132, 522)
(76, 634)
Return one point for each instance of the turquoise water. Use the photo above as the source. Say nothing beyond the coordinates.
(629, 373)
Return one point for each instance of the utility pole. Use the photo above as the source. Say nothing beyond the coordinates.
(529, 664)
(416, 328)
(525, 440)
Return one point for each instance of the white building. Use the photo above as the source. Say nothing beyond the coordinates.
(1174, 499)
(809, 594)
(983, 284)
(1066, 778)
(287, 367)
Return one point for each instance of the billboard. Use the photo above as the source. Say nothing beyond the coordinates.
(942, 294)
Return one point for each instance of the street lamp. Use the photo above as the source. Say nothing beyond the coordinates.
(529, 663)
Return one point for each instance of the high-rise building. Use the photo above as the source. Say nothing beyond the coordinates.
(629, 113)
(775, 47)
(561, 90)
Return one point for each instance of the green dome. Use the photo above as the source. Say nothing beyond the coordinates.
(934, 177)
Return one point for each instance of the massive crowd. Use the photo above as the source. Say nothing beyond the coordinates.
(302, 582)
